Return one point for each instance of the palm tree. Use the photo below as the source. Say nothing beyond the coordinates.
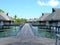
(15, 17)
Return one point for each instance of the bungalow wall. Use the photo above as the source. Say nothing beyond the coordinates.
(47, 23)
(6, 22)
(52, 23)
(42, 22)
(1, 23)
(59, 23)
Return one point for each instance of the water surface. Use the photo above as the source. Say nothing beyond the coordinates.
(36, 30)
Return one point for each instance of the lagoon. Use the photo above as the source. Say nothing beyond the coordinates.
(13, 30)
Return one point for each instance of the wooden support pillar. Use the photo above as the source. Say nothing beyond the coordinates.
(56, 40)
(51, 31)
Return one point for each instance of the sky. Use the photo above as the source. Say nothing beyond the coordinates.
(28, 8)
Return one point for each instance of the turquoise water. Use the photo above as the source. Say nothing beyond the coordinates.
(37, 31)
(9, 32)
(43, 32)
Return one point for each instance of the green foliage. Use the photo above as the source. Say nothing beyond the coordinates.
(1, 11)
(20, 20)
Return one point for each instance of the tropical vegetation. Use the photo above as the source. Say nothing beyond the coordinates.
(15, 18)
(19, 20)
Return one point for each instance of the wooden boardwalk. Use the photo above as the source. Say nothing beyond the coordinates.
(26, 32)
(26, 37)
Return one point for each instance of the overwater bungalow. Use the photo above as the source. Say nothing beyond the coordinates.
(33, 21)
(5, 19)
(54, 18)
(42, 20)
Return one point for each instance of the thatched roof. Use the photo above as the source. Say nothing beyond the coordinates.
(4, 16)
(44, 15)
(55, 15)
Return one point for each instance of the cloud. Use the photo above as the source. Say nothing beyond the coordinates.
(51, 3)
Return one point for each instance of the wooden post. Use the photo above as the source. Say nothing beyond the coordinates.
(51, 32)
(56, 40)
